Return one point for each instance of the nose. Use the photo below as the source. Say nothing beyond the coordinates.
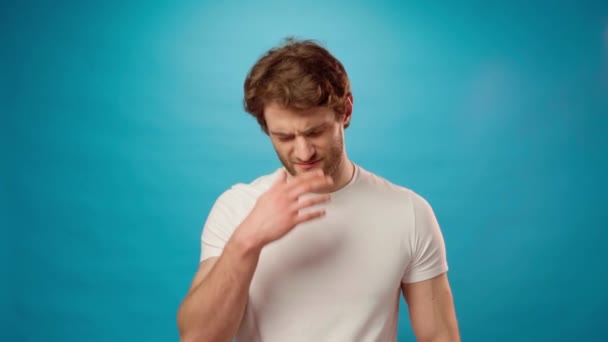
(304, 150)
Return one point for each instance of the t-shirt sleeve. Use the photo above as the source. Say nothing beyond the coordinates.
(219, 226)
(428, 258)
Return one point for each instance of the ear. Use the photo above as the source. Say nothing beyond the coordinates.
(348, 109)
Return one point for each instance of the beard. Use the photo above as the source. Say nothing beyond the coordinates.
(330, 163)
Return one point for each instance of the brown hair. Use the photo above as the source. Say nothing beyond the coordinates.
(298, 74)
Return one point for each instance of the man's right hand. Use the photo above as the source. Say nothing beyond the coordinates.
(281, 208)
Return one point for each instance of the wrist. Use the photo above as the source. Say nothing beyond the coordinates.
(247, 243)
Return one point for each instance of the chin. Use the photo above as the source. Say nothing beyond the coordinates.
(300, 170)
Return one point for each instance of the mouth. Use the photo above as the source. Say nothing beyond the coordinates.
(308, 165)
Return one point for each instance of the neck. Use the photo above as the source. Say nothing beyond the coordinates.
(343, 174)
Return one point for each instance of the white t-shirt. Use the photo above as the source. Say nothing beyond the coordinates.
(337, 278)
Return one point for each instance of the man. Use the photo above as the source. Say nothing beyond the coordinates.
(320, 249)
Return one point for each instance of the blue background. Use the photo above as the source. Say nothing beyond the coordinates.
(122, 122)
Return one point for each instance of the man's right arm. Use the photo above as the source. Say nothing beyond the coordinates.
(215, 303)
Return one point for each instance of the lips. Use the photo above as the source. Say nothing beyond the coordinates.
(308, 165)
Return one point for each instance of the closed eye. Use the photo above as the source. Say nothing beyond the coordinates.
(315, 133)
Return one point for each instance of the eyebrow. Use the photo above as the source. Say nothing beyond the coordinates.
(308, 131)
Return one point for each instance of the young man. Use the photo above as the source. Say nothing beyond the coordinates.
(320, 249)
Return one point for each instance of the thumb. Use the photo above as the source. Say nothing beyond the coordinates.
(281, 178)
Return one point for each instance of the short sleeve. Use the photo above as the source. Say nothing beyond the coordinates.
(428, 248)
(219, 226)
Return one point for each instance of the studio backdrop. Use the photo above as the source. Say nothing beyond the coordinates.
(123, 121)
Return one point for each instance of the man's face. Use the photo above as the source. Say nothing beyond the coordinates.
(306, 140)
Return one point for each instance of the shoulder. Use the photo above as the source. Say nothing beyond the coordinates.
(374, 182)
(385, 188)
(235, 203)
(244, 193)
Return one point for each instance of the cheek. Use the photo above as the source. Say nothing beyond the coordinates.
(329, 140)
(282, 148)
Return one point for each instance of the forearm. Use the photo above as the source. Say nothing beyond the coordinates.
(446, 331)
(214, 309)
(443, 337)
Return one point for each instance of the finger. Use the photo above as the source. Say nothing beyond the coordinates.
(316, 184)
(309, 216)
(280, 179)
(309, 202)
(304, 177)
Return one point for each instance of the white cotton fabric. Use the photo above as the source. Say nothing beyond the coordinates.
(338, 278)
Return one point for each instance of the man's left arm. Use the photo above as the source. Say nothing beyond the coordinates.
(425, 284)
(431, 309)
